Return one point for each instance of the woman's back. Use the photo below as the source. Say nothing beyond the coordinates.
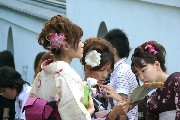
(59, 82)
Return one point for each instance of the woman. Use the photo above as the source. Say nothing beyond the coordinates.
(13, 107)
(58, 81)
(148, 63)
(98, 62)
(11, 85)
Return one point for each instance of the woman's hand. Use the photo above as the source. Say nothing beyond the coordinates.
(110, 92)
(90, 107)
(125, 105)
(119, 109)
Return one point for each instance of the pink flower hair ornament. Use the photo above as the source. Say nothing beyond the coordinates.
(56, 40)
(151, 49)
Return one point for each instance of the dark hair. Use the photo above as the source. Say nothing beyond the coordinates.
(10, 78)
(101, 46)
(59, 24)
(141, 55)
(120, 41)
(37, 59)
(46, 56)
(7, 59)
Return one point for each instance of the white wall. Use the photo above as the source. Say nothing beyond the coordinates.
(25, 32)
(141, 20)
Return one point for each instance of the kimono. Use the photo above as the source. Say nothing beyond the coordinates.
(59, 82)
(164, 103)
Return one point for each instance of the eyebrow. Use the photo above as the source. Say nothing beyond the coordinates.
(136, 71)
(104, 67)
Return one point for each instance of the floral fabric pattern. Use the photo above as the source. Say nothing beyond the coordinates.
(165, 99)
(60, 83)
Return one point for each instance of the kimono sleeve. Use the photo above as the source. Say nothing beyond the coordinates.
(33, 91)
(177, 97)
(69, 106)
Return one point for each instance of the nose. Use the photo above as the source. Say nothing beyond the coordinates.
(82, 44)
(105, 74)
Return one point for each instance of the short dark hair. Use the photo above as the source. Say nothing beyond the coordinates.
(46, 56)
(6, 59)
(119, 40)
(10, 78)
(37, 59)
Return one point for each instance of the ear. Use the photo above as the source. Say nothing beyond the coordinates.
(66, 46)
(157, 65)
(86, 68)
(114, 51)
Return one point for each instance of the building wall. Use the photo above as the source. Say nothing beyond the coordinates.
(22, 22)
(25, 42)
(142, 20)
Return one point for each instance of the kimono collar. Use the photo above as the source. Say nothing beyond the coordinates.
(51, 66)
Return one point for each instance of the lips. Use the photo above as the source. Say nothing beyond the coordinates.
(145, 81)
(101, 81)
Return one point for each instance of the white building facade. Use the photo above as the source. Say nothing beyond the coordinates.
(22, 20)
(142, 20)
(20, 23)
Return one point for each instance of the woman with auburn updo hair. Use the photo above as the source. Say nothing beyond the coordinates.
(58, 81)
(148, 63)
(98, 61)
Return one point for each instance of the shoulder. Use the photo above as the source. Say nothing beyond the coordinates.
(173, 79)
(124, 70)
(174, 76)
(26, 90)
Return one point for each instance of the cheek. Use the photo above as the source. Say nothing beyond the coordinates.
(95, 75)
(80, 46)
(152, 76)
(11, 94)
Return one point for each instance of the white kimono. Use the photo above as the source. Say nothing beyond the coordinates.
(59, 82)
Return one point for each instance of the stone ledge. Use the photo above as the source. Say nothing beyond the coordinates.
(170, 3)
(30, 10)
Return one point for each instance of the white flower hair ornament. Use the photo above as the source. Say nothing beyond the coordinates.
(93, 58)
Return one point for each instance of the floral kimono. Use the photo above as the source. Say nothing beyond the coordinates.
(59, 82)
(164, 104)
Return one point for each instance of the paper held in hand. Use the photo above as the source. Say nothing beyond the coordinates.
(140, 92)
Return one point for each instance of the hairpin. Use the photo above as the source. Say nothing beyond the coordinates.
(151, 49)
(56, 40)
